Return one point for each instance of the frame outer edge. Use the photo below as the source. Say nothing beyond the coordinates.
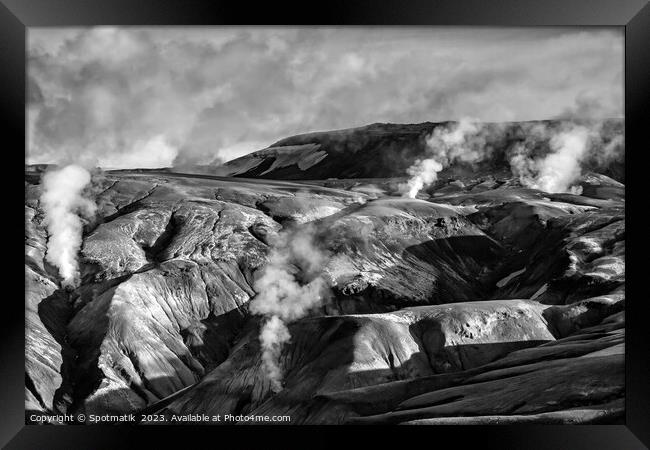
(12, 111)
(637, 117)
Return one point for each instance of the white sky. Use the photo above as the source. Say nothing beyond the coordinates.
(157, 96)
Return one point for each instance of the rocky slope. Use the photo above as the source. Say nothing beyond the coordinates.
(479, 302)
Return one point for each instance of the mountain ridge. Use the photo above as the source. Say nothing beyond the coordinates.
(385, 150)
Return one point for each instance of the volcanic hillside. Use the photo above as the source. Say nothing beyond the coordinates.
(481, 301)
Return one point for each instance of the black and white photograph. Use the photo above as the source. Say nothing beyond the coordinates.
(325, 225)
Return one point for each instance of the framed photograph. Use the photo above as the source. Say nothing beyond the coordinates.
(327, 221)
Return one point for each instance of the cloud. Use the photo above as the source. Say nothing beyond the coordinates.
(209, 94)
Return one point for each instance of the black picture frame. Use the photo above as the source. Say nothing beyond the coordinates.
(633, 15)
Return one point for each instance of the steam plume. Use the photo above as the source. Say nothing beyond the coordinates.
(550, 158)
(273, 335)
(558, 170)
(291, 284)
(65, 205)
(462, 141)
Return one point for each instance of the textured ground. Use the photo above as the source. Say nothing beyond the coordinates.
(484, 302)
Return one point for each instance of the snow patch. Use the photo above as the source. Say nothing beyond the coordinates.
(507, 279)
(304, 156)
